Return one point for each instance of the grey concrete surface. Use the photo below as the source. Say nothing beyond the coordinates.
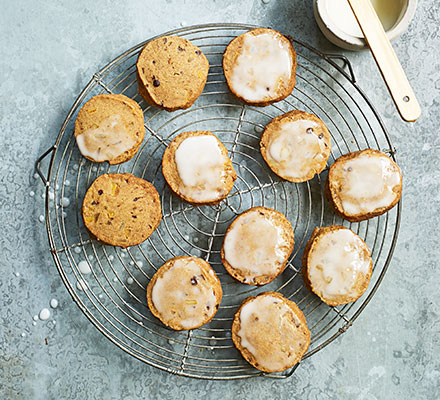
(48, 52)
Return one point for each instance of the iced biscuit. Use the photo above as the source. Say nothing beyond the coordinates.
(363, 184)
(337, 265)
(197, 168)
(257, 245)
(171, 72)
(121, 209)
(270, 332)
(109, 127)
(260, 67)
(296, 145)
(184, 293)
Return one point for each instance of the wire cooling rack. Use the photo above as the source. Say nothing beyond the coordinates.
(112, 293)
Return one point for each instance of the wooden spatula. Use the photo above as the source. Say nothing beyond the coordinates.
(386, 59)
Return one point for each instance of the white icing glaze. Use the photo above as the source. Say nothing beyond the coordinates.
(107, 141)
(268, 332)
(201, 167)
(367, 183)
(255, 245)
(54, 303)
(337, 259)
(264, 63)
(296, 150)
(176, 298)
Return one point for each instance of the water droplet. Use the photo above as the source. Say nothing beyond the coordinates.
(44, 314)
(140, 263)
(81, 285)
(258, 129)
(67, 182)
(51, 195)
(130, 280)
(54, 303)
(131, 262)
(34, 323)
(23, 334)
(94, 169)
(84, 267)
(115, 279)
(17, 274)
(32, 193)
(65, 202)
(36, 175)
(75, 167)
(111, 257)
(35, 317)
(100, 296)
(41, 218)
(77, 249)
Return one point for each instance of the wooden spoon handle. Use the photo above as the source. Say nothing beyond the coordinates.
(386, 59)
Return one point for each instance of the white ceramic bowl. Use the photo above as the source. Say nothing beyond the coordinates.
(342, 37)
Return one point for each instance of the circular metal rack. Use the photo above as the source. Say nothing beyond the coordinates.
(112, 295)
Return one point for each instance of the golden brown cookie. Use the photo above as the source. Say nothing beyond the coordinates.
(171, 72)
(296, 145)
(337, 265)
(270, 332)
(184, 293)
(109, 127)
(121, 209)
(257, 245)
(363, 184)
(260, 67)
(197, 168)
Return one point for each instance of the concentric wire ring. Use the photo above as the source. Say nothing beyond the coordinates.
(112, 296)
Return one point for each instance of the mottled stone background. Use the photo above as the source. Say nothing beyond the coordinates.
(49, 50)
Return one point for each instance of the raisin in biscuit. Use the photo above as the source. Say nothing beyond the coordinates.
(270, 332)
(197, 168)
(171, 72)
(296, 145)
(184, 293)
(109, 127)
(363, 184)
(260, 67)
(121, 209)
(257, 245)
(337, 265)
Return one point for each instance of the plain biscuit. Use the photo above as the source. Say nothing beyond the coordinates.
(171, 72)
(121, 209)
